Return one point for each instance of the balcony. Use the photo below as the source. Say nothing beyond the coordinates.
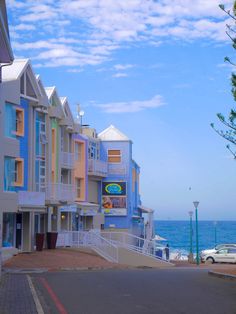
(31, 199)
(67, 160)
(117, 169)
(97, 168)
(60, 192)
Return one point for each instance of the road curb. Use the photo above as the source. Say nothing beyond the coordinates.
(222, 275)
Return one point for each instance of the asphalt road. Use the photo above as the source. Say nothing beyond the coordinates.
(171, 291)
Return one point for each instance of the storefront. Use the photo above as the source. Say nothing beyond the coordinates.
(90, 217)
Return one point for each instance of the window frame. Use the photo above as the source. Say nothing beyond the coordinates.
(114, 156)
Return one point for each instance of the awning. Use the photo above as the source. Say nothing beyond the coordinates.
(68, 208)
(36, 209)
(87, 205)
(145, 209)
(88, 209)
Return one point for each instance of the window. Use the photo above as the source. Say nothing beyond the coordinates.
(14, 121)
(114, 156)
(19, 122)
(13, 173)
(78, 187)
(19, 172)
(94, 150)
(53, 141)
(78, 151)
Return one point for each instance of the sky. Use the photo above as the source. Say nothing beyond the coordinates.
(155, 70)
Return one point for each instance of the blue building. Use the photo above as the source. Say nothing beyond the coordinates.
(120, 199)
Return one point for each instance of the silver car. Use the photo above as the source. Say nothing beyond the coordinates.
(225, 255)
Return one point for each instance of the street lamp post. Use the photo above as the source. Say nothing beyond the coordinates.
(215, 223)
(196, 203)
(191, 237)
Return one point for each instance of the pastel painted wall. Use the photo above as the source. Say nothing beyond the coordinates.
(55, 156)
(80, 169)
(24, 143)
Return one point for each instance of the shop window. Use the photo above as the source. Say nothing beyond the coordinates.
(114, 156)
(8, 229)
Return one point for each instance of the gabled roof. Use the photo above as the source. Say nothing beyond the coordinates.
(66, 109)
(49, 91)
(21, 70)
(112, 134)
(14, 71)
(42, 90)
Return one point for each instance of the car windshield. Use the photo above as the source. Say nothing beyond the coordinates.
(220, 246)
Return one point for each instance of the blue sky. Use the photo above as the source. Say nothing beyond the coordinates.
(155, 70)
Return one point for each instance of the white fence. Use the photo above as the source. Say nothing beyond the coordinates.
(92, 239)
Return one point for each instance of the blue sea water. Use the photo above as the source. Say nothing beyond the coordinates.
(177, 234)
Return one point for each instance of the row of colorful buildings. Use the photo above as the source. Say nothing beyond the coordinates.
(56, 174)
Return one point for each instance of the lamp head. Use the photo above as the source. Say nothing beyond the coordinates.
(196, 203)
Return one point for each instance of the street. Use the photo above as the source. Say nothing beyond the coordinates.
(135, 291)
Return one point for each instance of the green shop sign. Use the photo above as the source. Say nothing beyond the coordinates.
(114, 188)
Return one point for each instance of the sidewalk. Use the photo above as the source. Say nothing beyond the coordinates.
(58, 259)
(15, 295)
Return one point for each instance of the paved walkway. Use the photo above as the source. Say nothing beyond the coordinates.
(59, 259)
(15, 295)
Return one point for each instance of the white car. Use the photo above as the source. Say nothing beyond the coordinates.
(225, 255)
(216, 248)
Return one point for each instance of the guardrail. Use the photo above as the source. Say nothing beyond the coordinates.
(92, 239)
(133, 243)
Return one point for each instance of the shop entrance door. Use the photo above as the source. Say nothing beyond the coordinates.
(18, 230)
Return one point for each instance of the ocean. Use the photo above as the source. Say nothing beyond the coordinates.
(177, 234)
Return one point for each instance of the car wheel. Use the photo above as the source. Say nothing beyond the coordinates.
(210, 260)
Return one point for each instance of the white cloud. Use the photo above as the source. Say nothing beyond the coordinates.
(121, 67)
(98, 28)
(120, 74)
(132, 106)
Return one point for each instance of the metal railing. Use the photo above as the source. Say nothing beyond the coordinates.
(133, 243)
(97, 167)
(60, 192)
(117, 169)
(92, 239)
(67, 159)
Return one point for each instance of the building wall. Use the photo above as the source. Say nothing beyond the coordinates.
(120, 222)
(80, 168)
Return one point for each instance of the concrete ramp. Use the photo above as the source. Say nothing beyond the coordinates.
(136, 259)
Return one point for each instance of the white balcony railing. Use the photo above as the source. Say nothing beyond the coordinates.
(60, 192)
(97, 167)
(67, 159)
(117, 169)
